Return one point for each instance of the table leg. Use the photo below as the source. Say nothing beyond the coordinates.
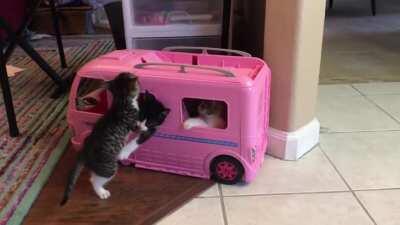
(5, 86)
(373, 7)
(56, 27)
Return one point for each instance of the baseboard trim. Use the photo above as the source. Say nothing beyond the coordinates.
(293, 145)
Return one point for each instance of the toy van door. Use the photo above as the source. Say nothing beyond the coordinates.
(89, 102)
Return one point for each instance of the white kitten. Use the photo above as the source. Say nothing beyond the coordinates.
(210, 115)
(194, 122)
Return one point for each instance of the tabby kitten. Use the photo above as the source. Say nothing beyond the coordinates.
(103, 146)
(151, 115)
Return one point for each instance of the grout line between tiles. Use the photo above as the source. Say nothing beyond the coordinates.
(383, 94)
(221, 198)
(288, 193)
(301, 193)
(215, 196)
(375, 104)
(382, 109)
(377, 189)
(373, 94)
(360, 131)
(348, 186)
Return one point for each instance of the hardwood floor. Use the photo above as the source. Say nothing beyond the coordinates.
(137, 197)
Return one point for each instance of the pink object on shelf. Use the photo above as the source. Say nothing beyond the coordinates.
(151, 18)
(227, 155)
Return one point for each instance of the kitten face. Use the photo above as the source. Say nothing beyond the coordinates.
(207, 108)
(151, 110)
(125, 84)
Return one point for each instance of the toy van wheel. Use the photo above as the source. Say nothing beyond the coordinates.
(226, 170)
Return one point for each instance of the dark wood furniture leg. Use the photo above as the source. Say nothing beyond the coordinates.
(56, 27)
(18, 37)
(373, 7)
(116, 19)
(226, 19)
(330, 4)
(62, 85)
(22, 41)
(5, 87)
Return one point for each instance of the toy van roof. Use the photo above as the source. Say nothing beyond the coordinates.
(237, 70)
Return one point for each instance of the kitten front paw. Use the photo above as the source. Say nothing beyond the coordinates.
(124, 155)
(187, 125)
(103, 193)
(142, 126)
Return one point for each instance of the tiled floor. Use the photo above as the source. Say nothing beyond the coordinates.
(359, 47)
(351, 178)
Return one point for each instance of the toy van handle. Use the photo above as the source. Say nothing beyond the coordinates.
(206, 49)
(182, 68)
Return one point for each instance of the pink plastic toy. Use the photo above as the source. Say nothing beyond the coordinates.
(228, 155)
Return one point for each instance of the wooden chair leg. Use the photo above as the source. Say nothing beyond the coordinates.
(373, 7)
(226, 23)
(62, 84)
(114, 15)
(10, 49)
(56, 27)
(5, 86)
(330, 4)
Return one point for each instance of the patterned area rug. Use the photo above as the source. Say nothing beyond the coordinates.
(26, 162)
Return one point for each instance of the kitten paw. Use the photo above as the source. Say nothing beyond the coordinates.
(142, 126)
(187, 125)
(103, 193)
(123, 155)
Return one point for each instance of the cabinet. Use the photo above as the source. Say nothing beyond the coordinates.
(154, 24)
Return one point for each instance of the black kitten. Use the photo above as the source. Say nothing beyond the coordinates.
(151, 115)
(103, 146)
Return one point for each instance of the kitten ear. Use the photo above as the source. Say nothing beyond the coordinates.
(108, 84)
(150, 96)
(146, 95)
(104, 84)
(143, 95)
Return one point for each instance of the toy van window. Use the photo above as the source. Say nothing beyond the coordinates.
(91, 96)
(204, 113)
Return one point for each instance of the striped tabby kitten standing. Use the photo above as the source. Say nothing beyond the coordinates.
(103, 146)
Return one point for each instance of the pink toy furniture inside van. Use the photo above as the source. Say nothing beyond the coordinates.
(228, 154)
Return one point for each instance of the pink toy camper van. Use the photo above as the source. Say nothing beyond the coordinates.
(239, 84)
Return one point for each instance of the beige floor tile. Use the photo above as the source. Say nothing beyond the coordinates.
(337, 90)
(384, 206)
(367, 160)
(360, 63)
(379, 88)
(390, 103)
(199, 211)
(308, 209)
(345, 44)
(211, 192)
(352, 113)
(312, 173)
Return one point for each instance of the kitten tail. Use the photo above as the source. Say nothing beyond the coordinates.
(72, 178)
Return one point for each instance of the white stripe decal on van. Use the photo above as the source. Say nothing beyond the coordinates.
(195, 139)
